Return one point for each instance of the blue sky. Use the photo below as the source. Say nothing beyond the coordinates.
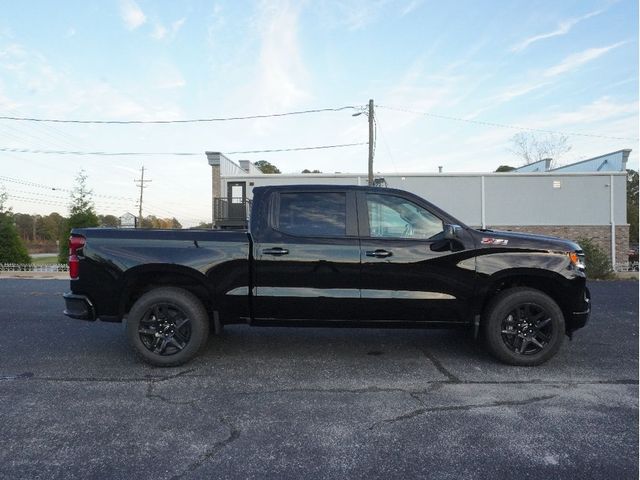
(569, 66)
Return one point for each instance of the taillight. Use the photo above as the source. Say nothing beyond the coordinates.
(76, 242)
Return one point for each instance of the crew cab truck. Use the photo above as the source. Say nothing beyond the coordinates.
(330, 256)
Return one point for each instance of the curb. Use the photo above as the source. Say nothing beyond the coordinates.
(36, 275)
(626, 276)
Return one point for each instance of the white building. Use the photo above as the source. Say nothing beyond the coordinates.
(584, 200)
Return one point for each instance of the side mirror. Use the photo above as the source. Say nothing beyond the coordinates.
(451, 231)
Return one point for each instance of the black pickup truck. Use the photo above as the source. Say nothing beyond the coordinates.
(330, 256)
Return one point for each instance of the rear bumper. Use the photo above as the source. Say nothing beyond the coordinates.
(78, 306)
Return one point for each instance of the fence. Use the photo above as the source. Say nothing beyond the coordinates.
(26, 267)
(626, 267)
(231, 214)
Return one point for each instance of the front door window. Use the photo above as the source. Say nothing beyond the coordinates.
(395, 217)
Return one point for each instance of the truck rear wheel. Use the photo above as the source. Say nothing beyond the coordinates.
(523, 327)
(167, 327)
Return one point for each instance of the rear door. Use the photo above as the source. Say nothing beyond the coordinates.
(237, 198)
(307, 264)
(409, 271)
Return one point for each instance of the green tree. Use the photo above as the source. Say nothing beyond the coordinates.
(52, 226)
(505, 168)
(24, 225)
(151, 221)
(632, 205)
(82, 213)
(203, 226)
(110, 221)
(266, 167)
(306, 170)
(12, 249)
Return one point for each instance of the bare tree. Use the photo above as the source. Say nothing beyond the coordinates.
(532, 147)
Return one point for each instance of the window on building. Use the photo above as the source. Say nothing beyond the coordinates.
(395, 217)
(313, 214)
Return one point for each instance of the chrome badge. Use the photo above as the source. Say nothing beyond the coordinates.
(494, 241)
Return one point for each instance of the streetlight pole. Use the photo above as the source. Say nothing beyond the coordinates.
(371, 140)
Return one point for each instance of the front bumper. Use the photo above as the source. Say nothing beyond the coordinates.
(580, 318)
(78, 306)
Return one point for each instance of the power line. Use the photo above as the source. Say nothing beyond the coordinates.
(503, 125)
(45, 201)
(193, 120)
(76, 152)
(49, 187)
(296, 149)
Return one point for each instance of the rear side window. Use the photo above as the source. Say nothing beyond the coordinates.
(313, 214)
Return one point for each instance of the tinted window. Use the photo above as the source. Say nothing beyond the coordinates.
(311, 214)
(395, 217)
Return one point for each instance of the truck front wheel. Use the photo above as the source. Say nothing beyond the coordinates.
(167, 326)
(523, 326)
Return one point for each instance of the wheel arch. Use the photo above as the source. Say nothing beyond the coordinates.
(548, 282)
(139, 280)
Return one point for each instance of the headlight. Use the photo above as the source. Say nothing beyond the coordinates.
(577, 260)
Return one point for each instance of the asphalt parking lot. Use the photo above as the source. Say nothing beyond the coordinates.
(313, 403)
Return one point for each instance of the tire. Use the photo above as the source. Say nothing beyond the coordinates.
(523, 327)
(167, 327)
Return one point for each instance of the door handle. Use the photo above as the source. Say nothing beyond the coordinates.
(275, 251)
(378, 253)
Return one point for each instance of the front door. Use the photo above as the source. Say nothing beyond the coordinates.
(236, 200)
(307, 264)
(409, 271)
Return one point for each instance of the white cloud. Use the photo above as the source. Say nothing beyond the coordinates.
(5, 102)
(282, 76)
(30, 68)
(603, 116)
(562, 29)
(410, 7)
(70, 32)
(177, 25)
(131, 14)
(576, 60)
(169, 76)
(439, 91)
(355, 14)
(159, 31)
(105, 101)
(515, 91)
(600, 110)
(569, 64)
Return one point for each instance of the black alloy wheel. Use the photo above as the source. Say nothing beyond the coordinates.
(527, 329)
(165, 329)
(167, 326)
(523, 326)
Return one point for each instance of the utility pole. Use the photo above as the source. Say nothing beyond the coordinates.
(140, 183)
(371, 140)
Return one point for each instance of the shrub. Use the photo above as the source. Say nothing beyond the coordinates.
(596, 259)
(12, 250)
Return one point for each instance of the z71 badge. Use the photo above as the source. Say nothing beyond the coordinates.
(494, 241)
